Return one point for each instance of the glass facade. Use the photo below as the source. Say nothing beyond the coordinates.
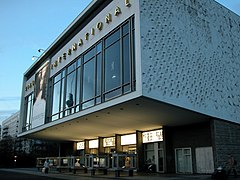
(105, 71)
(58, 95)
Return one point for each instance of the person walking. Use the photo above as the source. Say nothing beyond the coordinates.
(231, 166)
(46, 166)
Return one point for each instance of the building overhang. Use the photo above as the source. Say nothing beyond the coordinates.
(140, 114)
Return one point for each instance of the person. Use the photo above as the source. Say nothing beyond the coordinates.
(77, 164)
(127, 162)
(231, 165)
(46, 166)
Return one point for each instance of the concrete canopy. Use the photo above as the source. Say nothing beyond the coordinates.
(138, 114)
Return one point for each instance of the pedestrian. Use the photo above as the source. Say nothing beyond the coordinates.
(231, 165)
(77, 164)
(46, 166)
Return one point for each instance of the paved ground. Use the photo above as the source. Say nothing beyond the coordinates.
(7, 175)
(33, 174)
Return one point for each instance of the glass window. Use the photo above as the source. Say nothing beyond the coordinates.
(57, 78)
(71, 68)
(99, 47)
(88, 104)
(56, 97)
(70, 91)
(28, 105)
(133, 64)
(112, 38)
(78, 86)
(125, 29)
(133, 23)
(149, 153)
(149, 146)
(79, 62)
(99, 74)
(112, 67)
(88, 80)
(126, 60)
(112, 94)
(62, 97)
(71, 82)
(103, 72)
(89, 55)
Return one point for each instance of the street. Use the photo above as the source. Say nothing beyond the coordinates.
(7, 175)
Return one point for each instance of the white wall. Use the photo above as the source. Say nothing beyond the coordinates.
(190, 56)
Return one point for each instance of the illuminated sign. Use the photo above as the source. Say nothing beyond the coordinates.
(152, 136)
(80, 145)
(108, 142)
(93, 144)
(128, 139)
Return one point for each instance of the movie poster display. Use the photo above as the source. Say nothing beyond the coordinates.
(40, 90)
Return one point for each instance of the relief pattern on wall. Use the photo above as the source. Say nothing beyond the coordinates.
(191, 55)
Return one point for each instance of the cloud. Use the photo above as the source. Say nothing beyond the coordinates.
(14, 98)
(4, 112)
(9, 103)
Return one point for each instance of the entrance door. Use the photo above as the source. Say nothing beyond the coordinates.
(154, 154)
(183, 160)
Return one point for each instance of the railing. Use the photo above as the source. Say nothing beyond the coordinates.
(60, 163)
(93, 162)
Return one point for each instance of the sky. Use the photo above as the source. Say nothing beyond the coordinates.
(29, 25)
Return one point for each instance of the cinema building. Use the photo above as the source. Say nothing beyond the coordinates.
(140, 82)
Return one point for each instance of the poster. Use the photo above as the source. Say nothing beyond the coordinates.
(39, 102)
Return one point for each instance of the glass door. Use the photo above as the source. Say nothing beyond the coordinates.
(154, 155)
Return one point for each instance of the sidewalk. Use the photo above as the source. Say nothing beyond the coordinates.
(111, 175)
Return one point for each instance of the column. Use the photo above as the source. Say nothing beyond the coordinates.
(140, 151)
(100, 146)
(118, 147)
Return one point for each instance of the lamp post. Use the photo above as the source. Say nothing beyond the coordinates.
(33, 57)
(39, 50)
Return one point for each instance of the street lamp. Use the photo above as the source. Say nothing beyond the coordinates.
(39, 50)
(33, 57)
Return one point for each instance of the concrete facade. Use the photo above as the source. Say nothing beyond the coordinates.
(226, 141)
(190, 56)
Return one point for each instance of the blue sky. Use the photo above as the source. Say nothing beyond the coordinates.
(28, 25)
